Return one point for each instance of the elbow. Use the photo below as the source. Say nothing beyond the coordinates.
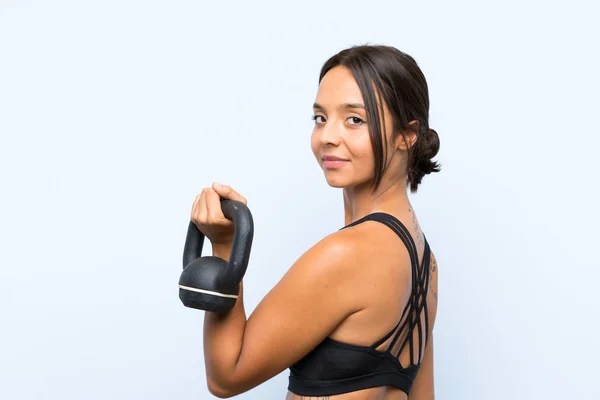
(219, 391)
(226, 385)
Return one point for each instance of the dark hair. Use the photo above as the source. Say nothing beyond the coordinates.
(401, 84)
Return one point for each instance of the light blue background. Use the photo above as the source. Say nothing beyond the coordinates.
(115, 114)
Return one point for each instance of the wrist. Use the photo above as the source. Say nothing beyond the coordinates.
(221, 250)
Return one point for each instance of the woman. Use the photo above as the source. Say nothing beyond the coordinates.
(353, 317)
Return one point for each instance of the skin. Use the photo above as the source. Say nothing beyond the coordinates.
(328, 291)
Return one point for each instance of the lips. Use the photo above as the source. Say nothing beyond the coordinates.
(333, 158)
(331, 162)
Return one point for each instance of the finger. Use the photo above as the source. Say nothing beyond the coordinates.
(201, 214)
(194, 207)
(213, 207)
(228, 193)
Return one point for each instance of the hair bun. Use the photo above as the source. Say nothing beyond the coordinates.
(432, 143)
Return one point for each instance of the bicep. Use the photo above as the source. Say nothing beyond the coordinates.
(309, 302)
(422, 388)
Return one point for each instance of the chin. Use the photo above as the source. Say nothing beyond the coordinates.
(337, 182)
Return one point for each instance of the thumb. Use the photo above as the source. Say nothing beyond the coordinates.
(227, 192)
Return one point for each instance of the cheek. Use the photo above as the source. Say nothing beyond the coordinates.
(314, 143)
(360, 146)
(362, 154)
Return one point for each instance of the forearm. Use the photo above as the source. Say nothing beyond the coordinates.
(223, 336)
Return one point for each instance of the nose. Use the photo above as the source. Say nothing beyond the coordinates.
(331, 133)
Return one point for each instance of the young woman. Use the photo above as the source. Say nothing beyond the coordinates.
(353, 317)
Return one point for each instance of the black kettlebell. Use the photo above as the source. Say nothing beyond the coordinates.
(210, 283)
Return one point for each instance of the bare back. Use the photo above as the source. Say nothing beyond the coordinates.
(387, 284)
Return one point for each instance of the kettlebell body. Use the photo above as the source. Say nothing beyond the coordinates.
(210, 283)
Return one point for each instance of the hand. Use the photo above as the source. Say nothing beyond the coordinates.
(208, 215)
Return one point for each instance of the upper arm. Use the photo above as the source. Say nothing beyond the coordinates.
(305, 306)
(422, 388)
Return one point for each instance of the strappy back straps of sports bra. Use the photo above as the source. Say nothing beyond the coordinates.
(417, 303)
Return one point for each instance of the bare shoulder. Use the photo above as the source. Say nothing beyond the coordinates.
(336, 256)
(347, 256)
(373, 240)
(368, 240)
(373, 255)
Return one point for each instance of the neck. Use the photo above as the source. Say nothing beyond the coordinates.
(360, 201)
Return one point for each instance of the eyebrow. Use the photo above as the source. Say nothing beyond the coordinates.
(344, 106)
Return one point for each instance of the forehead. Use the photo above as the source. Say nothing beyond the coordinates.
(338, 85)
(339, 90)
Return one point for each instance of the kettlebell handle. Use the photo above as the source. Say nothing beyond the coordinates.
(239, 213)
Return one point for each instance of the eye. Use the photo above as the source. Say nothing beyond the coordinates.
(314, 118)
(356, 121)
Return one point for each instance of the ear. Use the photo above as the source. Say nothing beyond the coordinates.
(409, 136)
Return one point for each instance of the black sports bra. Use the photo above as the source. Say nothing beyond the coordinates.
(334, 367)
